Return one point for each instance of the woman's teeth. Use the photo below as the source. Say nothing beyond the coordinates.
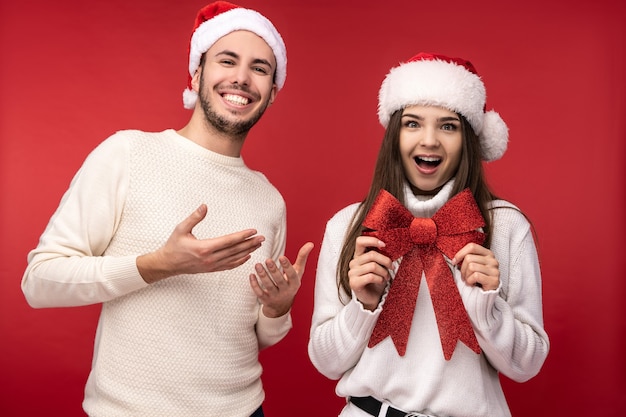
(427, 160)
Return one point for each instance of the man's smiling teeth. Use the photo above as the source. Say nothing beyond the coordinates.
(235, 99)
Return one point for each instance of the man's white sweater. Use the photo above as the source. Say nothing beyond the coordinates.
(184, 346)
(508, 323)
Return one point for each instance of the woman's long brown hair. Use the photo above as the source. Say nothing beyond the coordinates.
(389, 175)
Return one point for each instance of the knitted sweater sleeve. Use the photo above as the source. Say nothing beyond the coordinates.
(67, 267)
(339, 332)
(509, 321)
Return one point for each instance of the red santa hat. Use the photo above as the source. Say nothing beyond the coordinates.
(218, 19)
(452, 83)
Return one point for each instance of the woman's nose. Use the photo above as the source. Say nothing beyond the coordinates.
(429, 137)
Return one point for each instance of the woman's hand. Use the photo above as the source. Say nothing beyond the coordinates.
(478, 266)
(369, 271)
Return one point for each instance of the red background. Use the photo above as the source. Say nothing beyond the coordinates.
(72, 72)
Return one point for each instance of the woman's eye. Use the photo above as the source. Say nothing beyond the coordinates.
(411, 124)
(449, 126)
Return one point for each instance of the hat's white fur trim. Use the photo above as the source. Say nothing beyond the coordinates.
(494, 137)
(433, 83)
(213, 29)
(448, 85)
(189, 98)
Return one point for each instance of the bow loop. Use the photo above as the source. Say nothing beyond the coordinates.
(387, 213)
(460, 214)
(389, 221)
(422, 244)
(450, 245)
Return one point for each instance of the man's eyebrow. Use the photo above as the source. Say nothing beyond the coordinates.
(262, 61)
(228, 53)
(236, 56)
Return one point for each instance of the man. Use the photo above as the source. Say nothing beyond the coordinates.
(182, 318)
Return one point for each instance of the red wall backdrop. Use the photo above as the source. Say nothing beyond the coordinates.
(72, 72)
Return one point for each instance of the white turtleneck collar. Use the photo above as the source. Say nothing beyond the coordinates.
(426, 206)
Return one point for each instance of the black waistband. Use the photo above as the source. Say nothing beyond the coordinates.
(372, 406)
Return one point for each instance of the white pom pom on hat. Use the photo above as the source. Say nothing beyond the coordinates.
(452, 83)
(218, 19)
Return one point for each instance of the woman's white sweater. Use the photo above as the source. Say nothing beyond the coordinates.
(508, 323)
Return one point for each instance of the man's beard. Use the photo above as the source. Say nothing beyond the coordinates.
(234, 128)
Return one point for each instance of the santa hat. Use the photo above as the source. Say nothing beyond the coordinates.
(219, 19)
(452, 83)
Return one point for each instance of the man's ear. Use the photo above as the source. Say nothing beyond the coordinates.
(273, 94)
(195, 80)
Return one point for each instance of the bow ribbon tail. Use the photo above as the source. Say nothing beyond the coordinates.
(396, 322)
(452, 319)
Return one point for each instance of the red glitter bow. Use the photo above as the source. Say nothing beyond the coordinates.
(422, 242)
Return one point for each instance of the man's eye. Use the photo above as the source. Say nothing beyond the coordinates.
(261, 70)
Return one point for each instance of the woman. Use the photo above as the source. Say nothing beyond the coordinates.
(425, 327)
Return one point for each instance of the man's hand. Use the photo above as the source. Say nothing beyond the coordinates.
(276, 288)
(183, 253)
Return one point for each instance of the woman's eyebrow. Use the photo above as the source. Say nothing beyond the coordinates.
(439, 119)
(449, 119)
(413, 116)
